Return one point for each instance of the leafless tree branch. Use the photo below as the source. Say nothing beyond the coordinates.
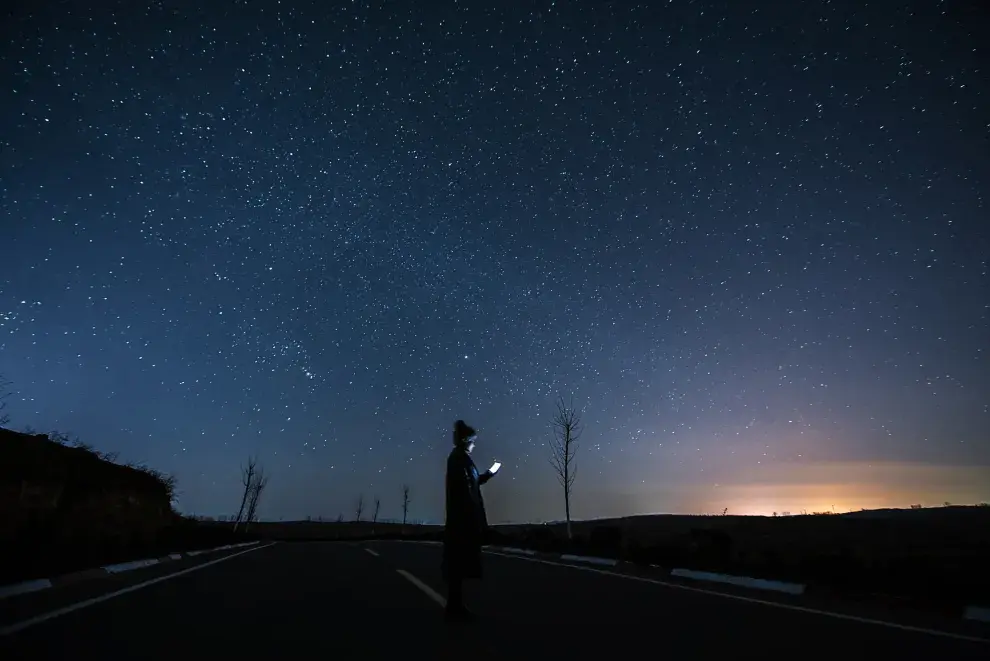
(257, 488)
(378, 504)
(405, 503)
(566, 426)
(360, 507)
(247, 479)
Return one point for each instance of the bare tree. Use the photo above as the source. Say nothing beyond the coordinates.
(378, 504)
(257, 488)
(405, 503)
(247, 479)
(4, 394)
(563, 445)
(360, 507)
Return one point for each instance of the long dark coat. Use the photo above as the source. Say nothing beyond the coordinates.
(466, 525)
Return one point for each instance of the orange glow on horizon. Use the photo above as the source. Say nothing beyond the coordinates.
(838, 487)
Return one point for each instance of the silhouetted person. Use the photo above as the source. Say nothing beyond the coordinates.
(466, 525)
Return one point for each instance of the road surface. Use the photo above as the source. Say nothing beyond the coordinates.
(383, 599)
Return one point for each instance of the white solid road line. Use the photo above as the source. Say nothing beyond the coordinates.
(371, 551)
(430, 592)
(24, 624)
(753, 600)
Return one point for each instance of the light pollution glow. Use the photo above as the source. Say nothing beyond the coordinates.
(844, 487)
(794, 488)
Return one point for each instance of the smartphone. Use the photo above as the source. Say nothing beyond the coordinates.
(495, 467)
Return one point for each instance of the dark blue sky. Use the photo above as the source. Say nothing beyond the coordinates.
(750, 242)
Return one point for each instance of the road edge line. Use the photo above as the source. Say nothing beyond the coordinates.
(51, 615)
(754, 600)
(38, 584)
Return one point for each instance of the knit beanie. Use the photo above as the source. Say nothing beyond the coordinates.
(462, 432)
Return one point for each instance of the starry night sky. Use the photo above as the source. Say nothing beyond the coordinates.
(751, 243)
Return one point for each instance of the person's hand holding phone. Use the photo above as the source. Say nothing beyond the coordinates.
(495, 467)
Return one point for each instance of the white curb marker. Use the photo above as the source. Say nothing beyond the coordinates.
(24, 624)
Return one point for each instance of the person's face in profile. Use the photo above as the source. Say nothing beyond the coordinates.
(469, 446)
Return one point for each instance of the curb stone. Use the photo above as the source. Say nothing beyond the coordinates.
(512, 549)
(742, 581)
(78, 576)
(39, 584)
(608, 562)
(128, 566)
(24, 587)
(977, 613)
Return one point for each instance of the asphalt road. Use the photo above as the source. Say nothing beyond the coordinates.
(379, 600)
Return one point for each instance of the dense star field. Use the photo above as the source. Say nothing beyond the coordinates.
(750, 242)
